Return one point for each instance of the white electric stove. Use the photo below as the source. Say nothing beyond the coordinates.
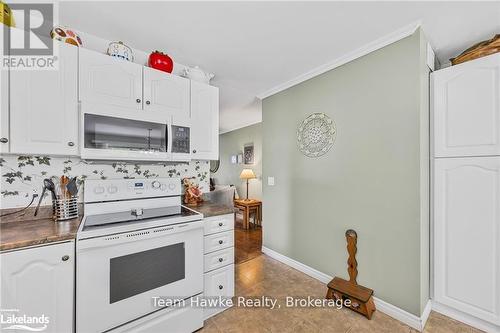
(136, 242)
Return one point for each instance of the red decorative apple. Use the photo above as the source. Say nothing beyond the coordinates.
(161, 61)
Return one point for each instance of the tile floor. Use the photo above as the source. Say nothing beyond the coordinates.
(265, 276)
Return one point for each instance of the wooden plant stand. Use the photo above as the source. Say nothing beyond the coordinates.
(360, 297)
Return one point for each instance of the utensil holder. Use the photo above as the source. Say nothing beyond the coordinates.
(65, 208)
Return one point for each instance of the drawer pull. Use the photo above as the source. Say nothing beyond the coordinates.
(221, 224)
(221, 260)
(221, 287)
(221, 241)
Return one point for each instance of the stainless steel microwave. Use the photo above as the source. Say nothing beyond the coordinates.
(114, 133)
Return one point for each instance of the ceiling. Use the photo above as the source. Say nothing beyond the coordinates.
(253, 47)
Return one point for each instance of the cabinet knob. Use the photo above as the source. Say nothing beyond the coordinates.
(194, 151)
(71, 143)
(220, 242)
(65, 258)
(4, 140)
(148, 102)
(221, 260)
(138, 100)
(220, 286)
(221, 224)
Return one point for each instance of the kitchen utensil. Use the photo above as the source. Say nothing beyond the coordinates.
(161, 61)
(71, 187)
(51, 187)
(62, 185)
(47, 185)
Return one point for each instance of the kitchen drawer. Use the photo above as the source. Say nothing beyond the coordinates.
(187, 319)
(218, 259)
(219, 241)
(212, 225)
(220, 282)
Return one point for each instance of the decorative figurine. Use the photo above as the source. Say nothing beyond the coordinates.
(192, 192)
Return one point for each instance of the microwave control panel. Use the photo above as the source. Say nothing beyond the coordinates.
(180, 139)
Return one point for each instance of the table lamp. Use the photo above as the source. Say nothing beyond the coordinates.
(247, 174)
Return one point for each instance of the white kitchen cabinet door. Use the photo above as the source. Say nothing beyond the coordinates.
(466, 108)
(467, 235)
(218, 283)
(40, 281)
(109, 80)
(4, 100)
(204, 121)
(167, 93)
(44, 107)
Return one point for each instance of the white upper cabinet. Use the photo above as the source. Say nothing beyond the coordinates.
(204, 121)
(4, 101)
(40, 281)
(44, 107)
(467, 235)
(164, 92)
(466, 107)
(108, 80)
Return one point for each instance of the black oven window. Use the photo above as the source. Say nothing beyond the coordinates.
(139, 272)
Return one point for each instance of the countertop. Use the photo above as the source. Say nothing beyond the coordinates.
(208, 209)
(23, 229)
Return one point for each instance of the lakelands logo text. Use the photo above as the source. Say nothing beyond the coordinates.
(12, 320)
(28, 46)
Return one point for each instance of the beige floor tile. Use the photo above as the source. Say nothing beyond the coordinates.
(263, 276)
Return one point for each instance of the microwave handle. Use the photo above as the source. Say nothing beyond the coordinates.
(169, 137)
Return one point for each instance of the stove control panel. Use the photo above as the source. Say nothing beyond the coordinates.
(123, 189)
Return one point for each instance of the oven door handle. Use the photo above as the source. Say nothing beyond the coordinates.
(120, 238)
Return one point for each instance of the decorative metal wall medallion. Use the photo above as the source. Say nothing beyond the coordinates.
(316, 135)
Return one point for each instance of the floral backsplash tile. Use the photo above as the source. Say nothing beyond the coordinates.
(22, 174)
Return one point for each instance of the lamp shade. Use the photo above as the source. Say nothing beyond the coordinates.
(247, 174)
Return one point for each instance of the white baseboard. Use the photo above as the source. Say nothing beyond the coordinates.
(403, 316)
(465, 318)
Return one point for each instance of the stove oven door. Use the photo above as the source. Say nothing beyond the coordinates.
(119, 275)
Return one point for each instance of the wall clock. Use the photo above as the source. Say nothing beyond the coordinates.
(316, 135)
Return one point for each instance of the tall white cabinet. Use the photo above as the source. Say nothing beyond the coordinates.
(44, 107)
(466, 191)
(4, 100)
(205, 121)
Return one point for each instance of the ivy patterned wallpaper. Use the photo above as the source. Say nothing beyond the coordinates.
(21, 175)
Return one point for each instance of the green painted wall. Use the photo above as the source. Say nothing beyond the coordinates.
(373, 180)
(232, 143)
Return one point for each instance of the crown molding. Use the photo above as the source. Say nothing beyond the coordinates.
(362, 51)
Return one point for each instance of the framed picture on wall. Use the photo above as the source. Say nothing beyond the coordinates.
(248, 153)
